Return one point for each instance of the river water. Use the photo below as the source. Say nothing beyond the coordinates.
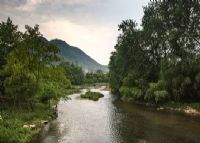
(111, 121)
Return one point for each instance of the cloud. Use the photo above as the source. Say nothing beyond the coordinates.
(30, 5)
(88, 24)
(94, 40)
(13, 3)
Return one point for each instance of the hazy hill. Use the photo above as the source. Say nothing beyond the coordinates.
(77, 56)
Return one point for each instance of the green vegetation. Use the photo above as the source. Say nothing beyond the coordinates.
(92, 95)
(32, 79)
(12, 128)
(160, 61)
(74, 73)
(30, 82)
(78, 77)
(177, 106)
(96, 77)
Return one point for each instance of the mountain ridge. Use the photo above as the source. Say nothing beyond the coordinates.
(76, 56)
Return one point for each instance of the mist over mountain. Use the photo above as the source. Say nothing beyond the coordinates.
(77, 56)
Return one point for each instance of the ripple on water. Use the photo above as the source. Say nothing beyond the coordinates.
(112, 121)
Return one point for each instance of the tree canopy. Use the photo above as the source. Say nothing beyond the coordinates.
(27, 71)
(160, 60)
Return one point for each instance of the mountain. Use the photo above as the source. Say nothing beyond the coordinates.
(77, 56)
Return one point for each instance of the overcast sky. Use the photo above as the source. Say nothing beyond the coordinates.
(90, 25)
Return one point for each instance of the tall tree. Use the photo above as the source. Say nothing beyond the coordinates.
(162, 56)
(9, 38)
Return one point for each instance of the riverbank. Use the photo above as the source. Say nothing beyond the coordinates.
(187, 108)
(20, 124)
(192, 109)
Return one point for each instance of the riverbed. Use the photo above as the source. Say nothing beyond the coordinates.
(110, 120)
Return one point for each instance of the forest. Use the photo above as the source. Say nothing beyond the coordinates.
(159, 60)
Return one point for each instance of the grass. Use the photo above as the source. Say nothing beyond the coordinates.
(13, 119)
(73, 90)
(92, 95)
(179, 106)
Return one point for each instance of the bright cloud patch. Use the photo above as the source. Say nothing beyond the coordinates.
(88, 24)
(93, 39)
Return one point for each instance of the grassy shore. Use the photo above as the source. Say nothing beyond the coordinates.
(192, 108)
(20, 124)
(92, 95)
(188, 108)
(15, 123)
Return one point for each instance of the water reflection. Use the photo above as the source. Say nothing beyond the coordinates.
(112, 121)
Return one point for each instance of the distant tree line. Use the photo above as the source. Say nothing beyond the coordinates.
(78, 77)
(96, 77)
(160, 61)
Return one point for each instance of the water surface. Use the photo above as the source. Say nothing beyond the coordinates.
(111, 121)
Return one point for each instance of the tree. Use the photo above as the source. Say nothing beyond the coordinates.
(73, 72)
(166, 49)
(27, 65)
(9, 38)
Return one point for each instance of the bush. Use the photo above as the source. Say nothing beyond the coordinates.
(13, 120)
(156, 92)
(136, 93)
(149, 95)
(23, 90)
(12, 131)
(92, 95)
(125, 91)
(142, 84)
(132, 92)
(160, 96)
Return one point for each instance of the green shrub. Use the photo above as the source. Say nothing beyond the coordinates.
(156, 92)
(160, 96)
(92, 95)
(125, 91)
(161, 84)
(136, 93)
(149, 95)
(142, 84)
(12, 131)
(129, 80)
(131, 92)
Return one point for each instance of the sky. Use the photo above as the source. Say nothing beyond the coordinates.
(91, 25)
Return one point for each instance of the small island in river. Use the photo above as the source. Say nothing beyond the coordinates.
(92, 95)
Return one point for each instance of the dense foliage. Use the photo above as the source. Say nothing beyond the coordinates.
(96, 77)
(27, 71)
(160, 61)
(78, 77)
(92, 95)
(73, 72)
(29, 78)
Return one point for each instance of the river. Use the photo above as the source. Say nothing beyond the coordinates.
(110, 120)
